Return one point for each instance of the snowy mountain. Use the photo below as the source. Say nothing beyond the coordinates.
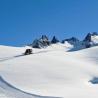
(41, 42)
(89, 41)
(72, 40)
(50, 72)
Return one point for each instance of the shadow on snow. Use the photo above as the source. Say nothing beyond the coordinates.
(8, 89)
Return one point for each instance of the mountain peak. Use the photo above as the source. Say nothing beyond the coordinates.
(54, 40)
(44, 37)
(72, 40)
(90, 40)
(41, 42)
(88, 37)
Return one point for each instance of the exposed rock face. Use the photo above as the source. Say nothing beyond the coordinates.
(88, 37)
(36, 44)
(88, 41)
(72, 40)
(44, 40)
(54, 40)
(41, 43)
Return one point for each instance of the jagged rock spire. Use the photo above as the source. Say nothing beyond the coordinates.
(88, 37)
(41, 42)
(54, 40)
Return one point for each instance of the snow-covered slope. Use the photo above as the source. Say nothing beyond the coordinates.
(52, 72)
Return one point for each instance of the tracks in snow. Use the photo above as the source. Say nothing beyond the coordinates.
(9, 91)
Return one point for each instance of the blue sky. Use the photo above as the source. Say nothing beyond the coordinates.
(21, 21)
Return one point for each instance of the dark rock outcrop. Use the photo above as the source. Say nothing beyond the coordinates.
(54, 40)
(88, 39)
(41, 43)
(72, 40)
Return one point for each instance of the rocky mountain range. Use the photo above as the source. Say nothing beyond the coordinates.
(90, 40)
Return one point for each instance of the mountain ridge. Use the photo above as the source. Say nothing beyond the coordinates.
(89, 41)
